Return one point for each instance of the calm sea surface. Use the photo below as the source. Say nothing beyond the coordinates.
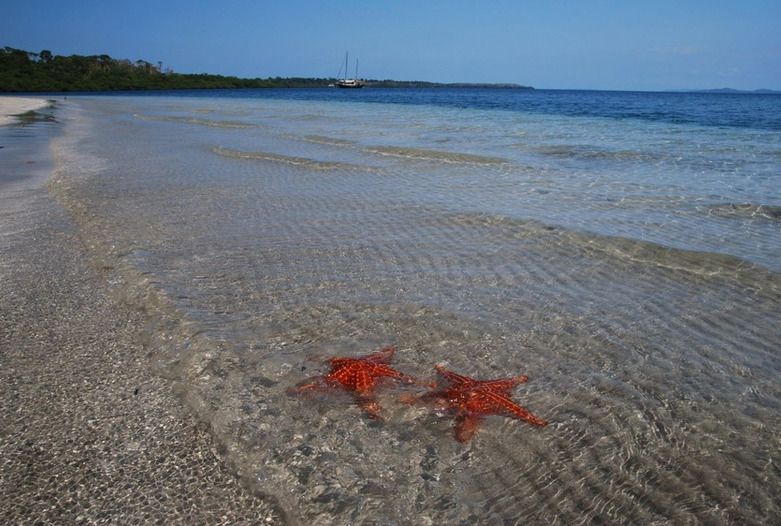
(623, 250)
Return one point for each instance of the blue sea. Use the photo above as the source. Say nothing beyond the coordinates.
(621, 249)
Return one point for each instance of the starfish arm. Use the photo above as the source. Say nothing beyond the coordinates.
(383, 356)
(455, 379)
(466, 426)
(371, 406)
(345, 375)
(502, 404)
(522, 414)
(342, 361)
(504, 384)
(365, 381)
(486, 403)
(311, 385)
(393, 373)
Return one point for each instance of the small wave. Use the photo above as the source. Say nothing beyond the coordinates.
(276, 158)
(594, 153)
(194, 120)
(604, 247)
(330, 141)
(695, 263)
(746, 211)
(433, 155)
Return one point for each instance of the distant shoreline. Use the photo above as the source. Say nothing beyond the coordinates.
(729, 90)
(27, 72)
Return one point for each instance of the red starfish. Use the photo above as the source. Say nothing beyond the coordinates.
(472, 399)
(361, 375)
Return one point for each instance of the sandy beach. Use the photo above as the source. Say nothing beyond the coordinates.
(11, 106)
(89, 435)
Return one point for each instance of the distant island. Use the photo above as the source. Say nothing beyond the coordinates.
(729, 90)
(25, 71)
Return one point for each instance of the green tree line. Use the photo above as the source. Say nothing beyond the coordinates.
(24, 71)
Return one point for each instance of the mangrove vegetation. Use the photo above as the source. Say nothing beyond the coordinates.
(25, 71)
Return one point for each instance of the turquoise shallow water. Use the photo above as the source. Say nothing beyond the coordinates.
(623, 255)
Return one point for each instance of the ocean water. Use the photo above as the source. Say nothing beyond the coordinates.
(623, 250)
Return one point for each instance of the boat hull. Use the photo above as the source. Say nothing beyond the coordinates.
(349, 84)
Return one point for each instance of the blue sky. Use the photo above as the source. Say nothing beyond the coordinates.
(586, 44)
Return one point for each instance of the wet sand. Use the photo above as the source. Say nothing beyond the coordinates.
(10, 106)
(89, 435)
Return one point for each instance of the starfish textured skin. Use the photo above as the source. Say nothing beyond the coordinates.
(361, 375)
(472, 399)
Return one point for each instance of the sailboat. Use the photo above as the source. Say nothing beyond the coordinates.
(349, 83)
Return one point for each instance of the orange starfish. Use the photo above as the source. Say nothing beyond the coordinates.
(472, 399)
(360, 375)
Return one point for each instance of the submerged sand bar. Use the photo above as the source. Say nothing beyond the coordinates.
(10, 106)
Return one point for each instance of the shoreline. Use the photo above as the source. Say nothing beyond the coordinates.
(90, 434)
(11, 107)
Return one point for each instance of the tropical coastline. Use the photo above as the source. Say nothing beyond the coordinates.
(28, 72)
(505, 283)
(493, 233)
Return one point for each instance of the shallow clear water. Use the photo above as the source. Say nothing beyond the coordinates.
(622, 250)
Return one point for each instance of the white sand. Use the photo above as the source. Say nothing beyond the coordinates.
(10, 106)
(89, 434)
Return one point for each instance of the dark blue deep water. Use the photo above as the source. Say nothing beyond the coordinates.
(743, 110)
